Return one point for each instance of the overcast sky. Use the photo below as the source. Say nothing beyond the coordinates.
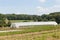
(36, 7)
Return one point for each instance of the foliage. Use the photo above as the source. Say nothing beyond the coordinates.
(45, 17)
(57, 19)
(56, 16)
(9, 24)
(4, 22)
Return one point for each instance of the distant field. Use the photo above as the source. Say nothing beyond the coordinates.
(20, 21)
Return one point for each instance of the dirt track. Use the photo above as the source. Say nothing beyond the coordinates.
(42, 32)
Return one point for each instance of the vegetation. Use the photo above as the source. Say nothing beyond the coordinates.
(56, 16)
(35, 36)
(33, 33)
(4, 22)
(50, 17)
(30, 29)
(48, 31)
(4, 18)
(13, 21)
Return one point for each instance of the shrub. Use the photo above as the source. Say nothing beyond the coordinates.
(9, 23)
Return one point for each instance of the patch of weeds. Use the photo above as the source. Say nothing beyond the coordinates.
(56, 36)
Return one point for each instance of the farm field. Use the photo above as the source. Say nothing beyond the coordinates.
(32, 33)
(13, 21)
(29, 19)
(33, 36)
(29, 29)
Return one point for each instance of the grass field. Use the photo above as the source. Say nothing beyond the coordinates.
(37, 36)
(33, 33)
(29, 29)
(34, 36)
(20, 21)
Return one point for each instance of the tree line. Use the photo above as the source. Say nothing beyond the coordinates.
(45, 17)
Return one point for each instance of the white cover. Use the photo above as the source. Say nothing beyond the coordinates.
(17, 25)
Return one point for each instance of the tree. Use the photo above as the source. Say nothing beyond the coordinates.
(57, 19)
(9, 24)
(56, 16)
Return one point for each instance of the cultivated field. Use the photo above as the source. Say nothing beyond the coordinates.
(33, 33)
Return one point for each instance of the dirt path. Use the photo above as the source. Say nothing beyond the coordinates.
(27, 36)
(32, 33)
(10, 30)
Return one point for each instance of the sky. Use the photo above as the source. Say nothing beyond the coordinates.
(32, 7)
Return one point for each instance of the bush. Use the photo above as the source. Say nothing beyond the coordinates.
(5, 23)
(9, 23)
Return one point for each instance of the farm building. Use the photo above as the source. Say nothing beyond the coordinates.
(17, 25)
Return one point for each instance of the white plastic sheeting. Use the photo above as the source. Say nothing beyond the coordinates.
(17, 25)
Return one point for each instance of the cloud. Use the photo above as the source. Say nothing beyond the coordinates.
(42, 1)
(55, 8)
(41, 9)
(44, 10)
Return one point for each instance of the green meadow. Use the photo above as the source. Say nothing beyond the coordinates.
(13, 21)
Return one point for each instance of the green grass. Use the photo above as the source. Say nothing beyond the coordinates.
(20, 21)
(29, 29)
